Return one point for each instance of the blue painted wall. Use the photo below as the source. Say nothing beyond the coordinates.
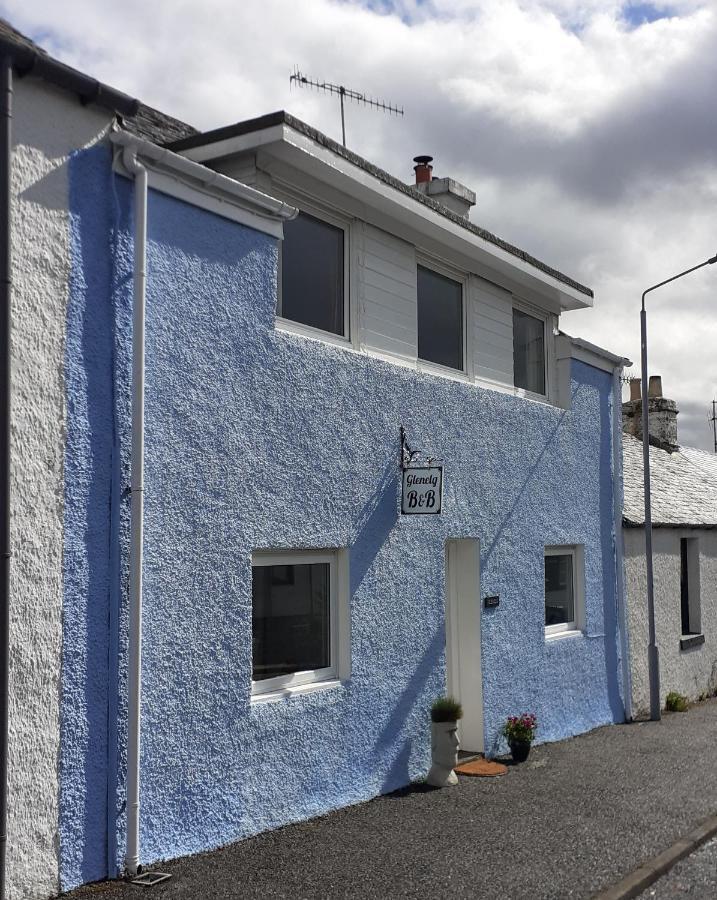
(261, 439)
(96, 520)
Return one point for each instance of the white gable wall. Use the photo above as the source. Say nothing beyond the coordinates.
(48, 125)
(689, 672)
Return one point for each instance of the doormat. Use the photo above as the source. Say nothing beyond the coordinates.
(481, 768)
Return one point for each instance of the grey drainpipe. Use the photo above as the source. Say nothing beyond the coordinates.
(5, 292)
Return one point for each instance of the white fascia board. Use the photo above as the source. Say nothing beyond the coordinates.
(199, 186)
(305, 155)
(592, 354)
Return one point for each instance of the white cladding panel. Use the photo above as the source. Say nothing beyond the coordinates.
(387, 292)
(490, 330)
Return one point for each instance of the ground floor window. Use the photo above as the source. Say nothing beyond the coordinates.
(690, 585)
(295, 619)
(563, 589)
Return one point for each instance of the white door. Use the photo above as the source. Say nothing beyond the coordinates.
(463, 620)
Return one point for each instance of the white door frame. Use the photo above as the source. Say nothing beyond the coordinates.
(463, 638)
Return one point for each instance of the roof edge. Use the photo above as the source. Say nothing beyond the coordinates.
(631, 523)
(281, 117)
(260, 204)
(28, 60)
(614, 358)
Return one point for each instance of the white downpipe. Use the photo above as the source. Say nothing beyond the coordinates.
(619, 554)
(137, 493)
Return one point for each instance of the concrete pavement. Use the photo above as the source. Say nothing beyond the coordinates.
(572, 821)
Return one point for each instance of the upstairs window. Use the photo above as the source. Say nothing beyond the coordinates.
(528, 352)
(312, 274)
(440, 319)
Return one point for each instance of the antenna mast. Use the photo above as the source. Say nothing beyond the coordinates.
(713, 420)
(343, 92)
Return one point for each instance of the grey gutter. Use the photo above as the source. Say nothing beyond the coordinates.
(5, 373)
(27, 60)
(283, 118)
(702, 526)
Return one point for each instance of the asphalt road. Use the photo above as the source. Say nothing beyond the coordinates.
(694, 877)
(573, 820)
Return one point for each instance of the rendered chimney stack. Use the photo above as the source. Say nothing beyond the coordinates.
(661, 411)
(449, 193)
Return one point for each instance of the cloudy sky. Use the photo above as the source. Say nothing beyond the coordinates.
(588, 129)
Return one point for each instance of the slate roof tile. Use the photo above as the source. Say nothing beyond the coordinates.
(683, 486)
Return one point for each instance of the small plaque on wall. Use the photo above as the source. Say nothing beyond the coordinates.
(422, 492)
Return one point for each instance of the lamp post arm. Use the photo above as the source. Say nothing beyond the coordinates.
(707, 262)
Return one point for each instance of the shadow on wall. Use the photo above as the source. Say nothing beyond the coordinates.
(399, 773)
(374, 524)
(609, 557)
(377, 519)
(522, 489)
(88, 491)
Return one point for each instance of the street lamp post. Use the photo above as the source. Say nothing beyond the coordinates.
(653, 657)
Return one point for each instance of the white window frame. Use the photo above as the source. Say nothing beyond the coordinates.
(339, 624)
(577, 554)
(424, 261)
(549, 324)
(344, 224)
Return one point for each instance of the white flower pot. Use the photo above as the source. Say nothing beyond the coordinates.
(444, 754)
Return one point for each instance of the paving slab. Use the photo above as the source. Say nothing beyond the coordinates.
(572, 821)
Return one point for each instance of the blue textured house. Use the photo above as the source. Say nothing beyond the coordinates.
(299, 311)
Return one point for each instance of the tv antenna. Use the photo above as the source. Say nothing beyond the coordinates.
(713, 420)
(343, 93)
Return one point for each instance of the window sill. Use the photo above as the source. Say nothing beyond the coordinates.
(561, 635)
(690, 641)
(327, 337)
(426, 367)
(286, 692)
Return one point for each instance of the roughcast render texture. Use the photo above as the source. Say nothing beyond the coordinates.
(259, 439)
(693, 671)
(48, 125)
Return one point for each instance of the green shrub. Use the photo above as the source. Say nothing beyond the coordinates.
(675, 702)
(446, 709)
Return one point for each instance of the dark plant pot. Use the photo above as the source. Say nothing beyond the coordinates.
(519, 750)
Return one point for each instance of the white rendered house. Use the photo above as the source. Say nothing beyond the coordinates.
(684, 538)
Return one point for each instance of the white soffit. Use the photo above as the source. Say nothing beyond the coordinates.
(301, 152)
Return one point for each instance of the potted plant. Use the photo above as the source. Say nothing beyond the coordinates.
(445, 713)
(519, 731)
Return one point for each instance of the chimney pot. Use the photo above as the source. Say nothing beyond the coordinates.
(655, 386)
(635, 388)
(423, 168)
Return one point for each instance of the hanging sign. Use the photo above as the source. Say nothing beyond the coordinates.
(422, 492)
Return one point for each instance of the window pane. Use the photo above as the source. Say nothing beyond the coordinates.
(440, 319)
(290, 619)
(559, 600)
(312, 274)
(528, 352)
